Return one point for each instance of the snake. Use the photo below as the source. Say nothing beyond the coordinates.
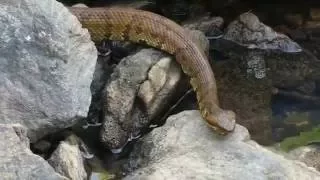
(148, 28)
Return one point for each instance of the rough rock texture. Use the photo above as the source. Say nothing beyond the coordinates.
(157, 90)
(186, 148)
(46, 66)
(308, 154)
(67, 159)
(16, 159)
(122, 110)
(248, 31)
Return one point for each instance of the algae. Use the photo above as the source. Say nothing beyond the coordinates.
(303, 139)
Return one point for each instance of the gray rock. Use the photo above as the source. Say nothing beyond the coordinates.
(157, 90)
(248, 31)
(16, 159)
(46, 66)
(307, 154)
(186, 148)
(120, 100)
(67, 159)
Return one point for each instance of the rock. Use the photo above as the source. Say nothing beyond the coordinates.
(307, 154)
(81, 5)
(119, 98)
(16, 159)
(210, 26)
(141, 88)
(186, 148)
(67, 159)
(157, 90)
(46, 66)
(249, 32)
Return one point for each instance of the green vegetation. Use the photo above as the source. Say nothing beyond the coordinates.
(303, 139)
(105, 176)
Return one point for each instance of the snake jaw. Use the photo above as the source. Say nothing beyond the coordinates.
(223, 122)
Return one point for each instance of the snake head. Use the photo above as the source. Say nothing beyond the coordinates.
(222, 122)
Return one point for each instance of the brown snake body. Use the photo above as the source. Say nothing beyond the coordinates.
(159, 32)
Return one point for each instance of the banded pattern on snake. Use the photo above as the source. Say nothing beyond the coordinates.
(148, 28)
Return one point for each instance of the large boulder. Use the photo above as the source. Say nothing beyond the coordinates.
(186, 148)
(46, 66)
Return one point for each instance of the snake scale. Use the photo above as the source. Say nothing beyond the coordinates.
(139, 26)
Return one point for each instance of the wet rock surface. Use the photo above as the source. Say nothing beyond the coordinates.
(185, 148)
(46, 66)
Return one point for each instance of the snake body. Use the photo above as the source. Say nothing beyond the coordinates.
(148, 28)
